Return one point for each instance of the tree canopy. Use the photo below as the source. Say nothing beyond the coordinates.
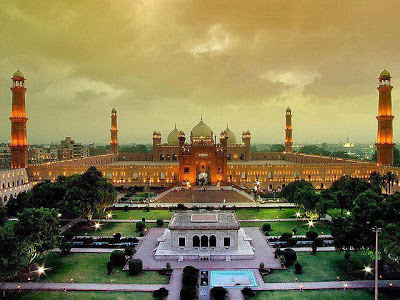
(79, 195)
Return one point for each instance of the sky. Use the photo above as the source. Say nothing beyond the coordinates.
(165, 62)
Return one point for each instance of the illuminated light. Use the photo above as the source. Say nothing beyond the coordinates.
(41, 270)
(97, 226)
(310, 224)
(298, 215)
(348, 213)
(368, 270)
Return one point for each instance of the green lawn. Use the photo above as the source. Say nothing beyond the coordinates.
(91, 268)
(277, 228)
(324, 266)
(139, 214)
(321, 294)
(84, 296)
(266, 213)
(242, 214)
(335, 212)
(108, 229)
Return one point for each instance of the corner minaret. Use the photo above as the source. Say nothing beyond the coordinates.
(384, 143)
(114, 132)
(19, 144)
(288, 131)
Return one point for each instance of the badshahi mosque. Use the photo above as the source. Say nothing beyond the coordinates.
(199, 157)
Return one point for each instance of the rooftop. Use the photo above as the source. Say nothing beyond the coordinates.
(204, 220)
(263, 162)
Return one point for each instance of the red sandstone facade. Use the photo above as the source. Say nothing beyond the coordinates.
(203, 158)
(384, 143)
(19, 143)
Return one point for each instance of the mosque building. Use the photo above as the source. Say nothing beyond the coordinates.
(206, 157)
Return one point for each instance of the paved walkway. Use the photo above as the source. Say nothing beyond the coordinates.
(100, 287)
(69, 225)
(175, 285)
(359, 284)
(235, 294)
(167, 220)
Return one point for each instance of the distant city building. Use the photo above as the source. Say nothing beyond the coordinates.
(39, 154)
(5, 156)
(68, 149)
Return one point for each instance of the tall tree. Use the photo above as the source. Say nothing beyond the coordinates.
(346, 190)
(13, 253)
(390, 179)
(38, 227)
(289, 191)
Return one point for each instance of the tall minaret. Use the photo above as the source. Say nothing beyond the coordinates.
(19, 144)
(288, 131)
(384, 143)
(114, 132)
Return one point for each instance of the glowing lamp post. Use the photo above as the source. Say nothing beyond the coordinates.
(376, 230)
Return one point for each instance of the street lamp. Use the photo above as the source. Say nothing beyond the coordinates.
(376, 229)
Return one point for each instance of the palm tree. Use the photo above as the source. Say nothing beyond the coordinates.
(390, 179)
(377, 180)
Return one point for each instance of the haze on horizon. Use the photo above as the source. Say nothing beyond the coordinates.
(165, 62)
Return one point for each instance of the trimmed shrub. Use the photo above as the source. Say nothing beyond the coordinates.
(319, 242)
(168, 266)
(159, 222)
(291, 242)
(314, 247)
(218, 293)
(118, 258)
(290, 256)
(147, 208)
(117, 237)
(160, 294)
(110, 267)
(190, 270)
(126, 208)
(285, 236)
(266, 227)
(188, 293)
(190, 276)
(135, 266)
(190, 280)
(294, 230)
(129, 251)
(248, 292)
(298, 269)
(181, 206)
(311, 235)
(140, 226)
(65, 247)
(143, 219)
(262, 266)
